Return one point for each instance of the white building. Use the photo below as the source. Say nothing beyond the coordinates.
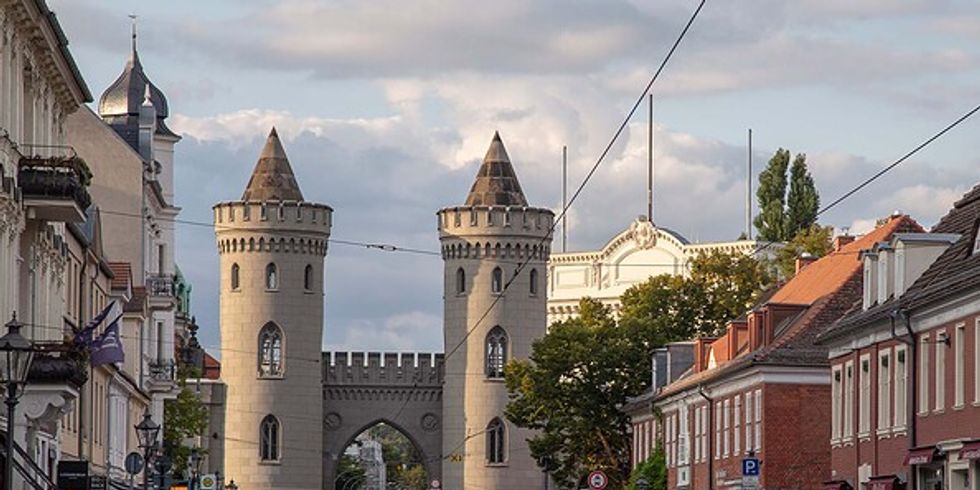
(633, 256)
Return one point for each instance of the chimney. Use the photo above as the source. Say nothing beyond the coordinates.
(841, 240)
(804, 260)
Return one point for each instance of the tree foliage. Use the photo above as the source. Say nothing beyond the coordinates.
(814, 240)
(185, 418)
(782, 215)
(403, 462)
(653, 470)
(585, 368)
(803, 201)
(772, 198)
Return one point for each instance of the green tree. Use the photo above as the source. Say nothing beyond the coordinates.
(350, 473)
(803, 201)
(185, 417)
(585, 368)
(814, 240)
(653, 470)
(403, 462)
(771, 220)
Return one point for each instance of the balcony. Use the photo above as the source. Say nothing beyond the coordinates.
(160, 285)
(162, 375)
(54, 182)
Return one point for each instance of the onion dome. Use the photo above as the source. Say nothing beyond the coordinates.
(120, 103)
(496, 183)
(273, 178)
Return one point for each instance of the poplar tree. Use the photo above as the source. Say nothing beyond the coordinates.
(771, 220)
(803, 202)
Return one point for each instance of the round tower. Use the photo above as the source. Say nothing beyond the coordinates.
(483, 243)
(272, 246)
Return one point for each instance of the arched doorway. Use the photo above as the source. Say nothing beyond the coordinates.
(382, 457)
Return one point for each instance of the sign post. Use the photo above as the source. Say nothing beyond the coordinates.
(750, 473)
(598, 480)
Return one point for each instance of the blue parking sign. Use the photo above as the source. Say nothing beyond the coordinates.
(750, 467)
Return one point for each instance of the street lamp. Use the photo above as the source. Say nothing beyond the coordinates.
(16, 354)
(147, 432)
(642, 484)
(195, 467)
(231, 485)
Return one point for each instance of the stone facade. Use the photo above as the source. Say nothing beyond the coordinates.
(272, 257)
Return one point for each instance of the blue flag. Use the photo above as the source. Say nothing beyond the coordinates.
(84, 336)
(108, 348)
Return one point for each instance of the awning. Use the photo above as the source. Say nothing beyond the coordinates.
(922, 455)
(836, 485)
(970, 450)
(883, 482)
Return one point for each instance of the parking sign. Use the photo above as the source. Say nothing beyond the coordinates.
(750, 467)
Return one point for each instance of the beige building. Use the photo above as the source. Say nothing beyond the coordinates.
(492, 315)
(636, 254)
(272, 246)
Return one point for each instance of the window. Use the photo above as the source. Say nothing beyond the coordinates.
(940, 371)
(235, 272)
(724, 427)
(697, 435)
(901, 387)
(497, 281)
(683, 452)
(835, 402)
(959, 386)
(496, 352)
(308, 278)
(460, 281)
(534, 282)
(495, 441)
(864, 402)
(270, 350)
(271, 277)
(717, 430)
(924, 375)
(758, 420)
(976, 237)
(748, 422)
(884, 390)
(269, 439)
(976, 363)
(737, 427)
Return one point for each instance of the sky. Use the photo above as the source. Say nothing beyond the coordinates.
(386, 108)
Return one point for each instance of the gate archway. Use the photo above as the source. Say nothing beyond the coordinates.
(403, 391)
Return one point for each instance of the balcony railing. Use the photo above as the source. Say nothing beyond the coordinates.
(161, 285)
(163, 371)
(53, 176)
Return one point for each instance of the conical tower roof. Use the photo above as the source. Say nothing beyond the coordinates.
(273, 178)
(496, 183)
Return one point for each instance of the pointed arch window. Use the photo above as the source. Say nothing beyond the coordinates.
(271, 276)
(497, 281)
(460, 281)
(496, 352)
(308, 278)
(235, 277)
(496, 441)
(533, 286)
(270, 351)
(269, 433)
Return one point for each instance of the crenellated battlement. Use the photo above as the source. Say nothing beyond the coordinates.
(375, 368)
(299, 215)
(467, 221)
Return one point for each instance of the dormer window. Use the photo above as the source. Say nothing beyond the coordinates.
(976, 237)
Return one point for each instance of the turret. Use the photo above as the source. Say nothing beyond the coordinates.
(272, 246)
(483, 243)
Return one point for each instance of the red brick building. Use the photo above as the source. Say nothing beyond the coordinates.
(763, 388)
(905, 389)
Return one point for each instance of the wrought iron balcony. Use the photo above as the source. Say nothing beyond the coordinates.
(54, 182)
(161, 285)
(163, 371)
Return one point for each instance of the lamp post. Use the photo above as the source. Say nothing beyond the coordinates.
(642, 484)
(195, 468)
(231, 485)
(147, 432)
(16, 354)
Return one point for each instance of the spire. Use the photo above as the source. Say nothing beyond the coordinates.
(273, 178)
(496, 183)
(134, 58)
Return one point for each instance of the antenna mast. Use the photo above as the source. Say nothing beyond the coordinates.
(748, 193)
(564, 198)
(650, 163)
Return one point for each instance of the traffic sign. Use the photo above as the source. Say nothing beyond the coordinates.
(435, 484)
(208, 482)
(598, 480)
(750, 467)
(134, 463)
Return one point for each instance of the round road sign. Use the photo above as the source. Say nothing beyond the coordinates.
(435, 484)
(597, 480)
(134, 463)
